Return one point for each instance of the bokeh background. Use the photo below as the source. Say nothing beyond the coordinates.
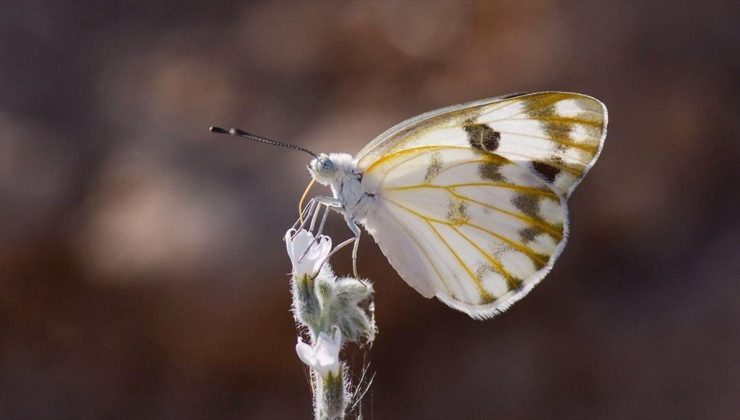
(142, 273)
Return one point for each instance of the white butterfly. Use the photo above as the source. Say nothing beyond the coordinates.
(468, 202)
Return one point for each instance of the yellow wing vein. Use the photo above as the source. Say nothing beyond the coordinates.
(428, 257)
(501, 105)
(393, 155)
(566, 168)
(554, 97)
(484, 295)
(495, 263)
(490, 157)
(576, 145)
(595, 123)
(467, 162)
(429, 221)
(526, 190)
(546, 227)
(518, 246)
(420, 150)
(394, 167)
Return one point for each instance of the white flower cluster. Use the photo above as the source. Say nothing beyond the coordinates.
(333, 311)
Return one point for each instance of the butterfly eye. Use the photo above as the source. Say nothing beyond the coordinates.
(324, 165)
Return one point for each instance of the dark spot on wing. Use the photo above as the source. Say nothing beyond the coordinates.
(434, 168)
(490, 139)
(490, 171)
(515, 284)
(547, 171)
(527, 204)
(458, 212)
(538, 262)
(529, 233)
(482, 137)
(556, 127)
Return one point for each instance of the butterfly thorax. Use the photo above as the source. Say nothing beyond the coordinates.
(339, 172)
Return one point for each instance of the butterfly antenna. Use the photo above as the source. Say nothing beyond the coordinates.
(240, 133)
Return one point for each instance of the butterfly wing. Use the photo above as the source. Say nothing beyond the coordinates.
(470, 200)
(557, 135)
(471, 228)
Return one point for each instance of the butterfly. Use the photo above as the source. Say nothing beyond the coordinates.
(468, 202)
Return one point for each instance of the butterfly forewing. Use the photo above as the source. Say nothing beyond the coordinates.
(473, 228)
(556, 135)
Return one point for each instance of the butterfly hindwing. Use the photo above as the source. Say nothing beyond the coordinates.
(470, 227)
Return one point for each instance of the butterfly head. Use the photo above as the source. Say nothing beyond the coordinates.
(330, 169)
(323, 169)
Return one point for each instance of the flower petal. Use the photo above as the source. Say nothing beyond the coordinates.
(306, 252)
(306, 353)
(289, 243)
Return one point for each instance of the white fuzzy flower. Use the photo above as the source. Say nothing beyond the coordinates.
(324, 355)
(306, 252)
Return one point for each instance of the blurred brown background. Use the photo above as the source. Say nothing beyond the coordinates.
(142, 273)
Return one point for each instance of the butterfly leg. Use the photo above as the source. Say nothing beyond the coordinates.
(336, 205)
(317, 236)
(357, 232)
(356, 239)
(337, 248)
(330, 202)
(342, 245)
(314, 208)
(311, 211)
(306, 215)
